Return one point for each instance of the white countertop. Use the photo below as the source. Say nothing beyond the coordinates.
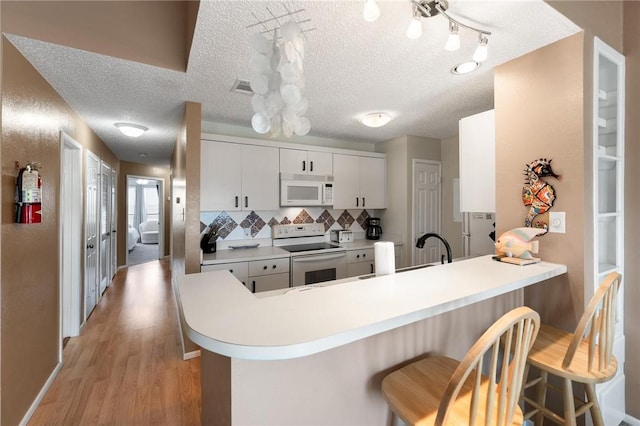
(269, 252)
(222, 316)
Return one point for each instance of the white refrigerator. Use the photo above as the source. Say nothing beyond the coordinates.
(478, 233)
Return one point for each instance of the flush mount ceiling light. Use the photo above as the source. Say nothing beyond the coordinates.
(465, 67)
(428, 9)
(376, 119)
(131, 130)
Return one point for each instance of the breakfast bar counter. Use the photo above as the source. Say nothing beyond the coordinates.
(315, 355)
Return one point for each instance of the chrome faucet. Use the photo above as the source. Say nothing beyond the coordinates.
(421, 240)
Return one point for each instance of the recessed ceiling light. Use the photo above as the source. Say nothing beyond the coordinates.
(376, 119)
(142, 154)
(131, 130)
(465, 67)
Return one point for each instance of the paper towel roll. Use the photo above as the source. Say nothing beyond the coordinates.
(385, 258)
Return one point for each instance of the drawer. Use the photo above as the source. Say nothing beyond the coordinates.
(269, 266)
(361, 255)
(239, 269)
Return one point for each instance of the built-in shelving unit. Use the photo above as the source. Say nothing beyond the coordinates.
(608, 193)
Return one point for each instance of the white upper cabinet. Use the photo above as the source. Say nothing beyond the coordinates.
(478, 162)
(359, 182)
(297, 161)
(238, 177)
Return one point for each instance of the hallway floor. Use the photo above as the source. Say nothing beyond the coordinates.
(126, 367)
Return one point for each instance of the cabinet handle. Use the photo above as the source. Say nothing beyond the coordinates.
(310, 166)
(231, 270)
(362, 201)
(364, 255)
(246, 201)
(304, 165)
(357, 256)
(236, 201)
(357, 202)
(274, 266)
(265, 267)
(253, 285)
(372, 271)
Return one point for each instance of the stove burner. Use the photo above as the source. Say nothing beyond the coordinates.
(308, 247)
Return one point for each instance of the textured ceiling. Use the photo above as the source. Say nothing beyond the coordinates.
(351, 67)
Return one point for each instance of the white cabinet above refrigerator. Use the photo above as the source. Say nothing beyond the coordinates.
(478, 162)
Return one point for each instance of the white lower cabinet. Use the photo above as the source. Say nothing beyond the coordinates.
(257, 275)
(271, 274)
(360, 262)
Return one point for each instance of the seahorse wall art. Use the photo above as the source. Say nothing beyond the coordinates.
(537, 194)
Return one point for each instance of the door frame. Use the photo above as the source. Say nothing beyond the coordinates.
(160, 212)
(412, 237)
(70, 237)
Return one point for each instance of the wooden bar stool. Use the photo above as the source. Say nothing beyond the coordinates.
(584, 356)
(442, 391)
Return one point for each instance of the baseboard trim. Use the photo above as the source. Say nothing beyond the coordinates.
(632, 421)
(191, 355)
(41, 394)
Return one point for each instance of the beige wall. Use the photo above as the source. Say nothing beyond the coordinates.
(539, 113)
(136, 169)
(185, 216)
(33, 116)
(158, 33)
(450, 155)
(632, 206)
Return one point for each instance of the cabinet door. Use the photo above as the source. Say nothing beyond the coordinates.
(260, 178)
(373, 183)
(320, 163)
(269, 282)
(478, 162)
(360, 268)
(346, 179)
(293, 161)
(220, 176)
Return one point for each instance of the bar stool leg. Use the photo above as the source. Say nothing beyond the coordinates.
(541, 396)
(596, 414)
(569, 404)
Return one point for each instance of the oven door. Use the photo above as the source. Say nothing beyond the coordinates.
(315, 268)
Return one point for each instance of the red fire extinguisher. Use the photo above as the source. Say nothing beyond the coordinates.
(28, 196)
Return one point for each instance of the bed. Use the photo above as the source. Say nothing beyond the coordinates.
(132, 238)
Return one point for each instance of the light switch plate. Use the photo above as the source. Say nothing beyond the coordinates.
(557, 222)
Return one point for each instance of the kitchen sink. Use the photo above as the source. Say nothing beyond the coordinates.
(400, 270)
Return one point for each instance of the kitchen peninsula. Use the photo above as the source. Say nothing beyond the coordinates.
(316, 354)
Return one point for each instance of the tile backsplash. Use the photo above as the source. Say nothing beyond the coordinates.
(242, 225)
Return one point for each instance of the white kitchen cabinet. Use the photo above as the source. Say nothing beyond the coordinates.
(297, 161)
(608, 205)
(360, 262)
(359, 182)
(477, 143)
(238, 177)
(269, 274)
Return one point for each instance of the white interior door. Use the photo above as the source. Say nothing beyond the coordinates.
(105, 228)
(91, 233)
(426, 210)
(70, 236)
(114, 216)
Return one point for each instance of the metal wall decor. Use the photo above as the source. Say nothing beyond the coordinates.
(537, 194)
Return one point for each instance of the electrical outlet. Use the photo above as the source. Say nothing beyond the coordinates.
(557, 222)
(247, 232)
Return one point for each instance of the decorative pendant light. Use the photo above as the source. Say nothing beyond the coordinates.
(278, 82)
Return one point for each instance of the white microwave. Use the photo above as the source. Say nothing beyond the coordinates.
(306, 190)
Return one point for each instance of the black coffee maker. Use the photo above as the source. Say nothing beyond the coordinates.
(373, 228)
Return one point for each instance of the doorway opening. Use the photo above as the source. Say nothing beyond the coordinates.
(144, 219)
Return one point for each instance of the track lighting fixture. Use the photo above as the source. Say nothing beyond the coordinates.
(428, 9)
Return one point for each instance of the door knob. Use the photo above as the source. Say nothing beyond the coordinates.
(90, 246)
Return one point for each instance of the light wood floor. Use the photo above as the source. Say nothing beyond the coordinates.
(126, 366)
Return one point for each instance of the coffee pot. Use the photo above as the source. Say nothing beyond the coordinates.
(373, 228)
